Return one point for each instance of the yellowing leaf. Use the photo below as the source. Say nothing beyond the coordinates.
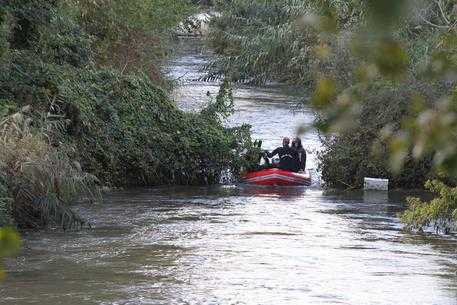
(417, 104)
(390, 58)
(328, 24)
(399, 151)
(10, 242)
(323, 51)
(325, 92)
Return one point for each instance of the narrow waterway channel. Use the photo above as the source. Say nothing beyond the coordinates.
(236, 244)
(273, 111)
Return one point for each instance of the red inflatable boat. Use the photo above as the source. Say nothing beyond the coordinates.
(276, 176)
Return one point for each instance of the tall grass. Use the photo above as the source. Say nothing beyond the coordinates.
(41, 179)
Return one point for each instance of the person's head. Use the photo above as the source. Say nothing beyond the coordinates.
(297, 143)
(285, 142)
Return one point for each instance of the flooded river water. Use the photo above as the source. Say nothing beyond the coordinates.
(236, 244)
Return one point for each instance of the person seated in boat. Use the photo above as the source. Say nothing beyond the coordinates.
(288, 157)
(301, 152)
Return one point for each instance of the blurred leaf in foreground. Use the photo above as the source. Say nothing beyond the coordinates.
(10, 243)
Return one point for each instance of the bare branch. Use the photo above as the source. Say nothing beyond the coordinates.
(439, 3)
(432, 24)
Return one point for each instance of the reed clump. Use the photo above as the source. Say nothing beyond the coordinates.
(39, 180)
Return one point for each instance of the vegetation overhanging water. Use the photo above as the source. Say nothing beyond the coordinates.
(74, 90)
(235, 244)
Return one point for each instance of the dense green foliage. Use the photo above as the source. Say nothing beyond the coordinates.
(129, 35)
(148, 141)
(75, 113)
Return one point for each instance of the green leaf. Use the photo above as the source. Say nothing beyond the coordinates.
(10, 242)
(390, 58)
(324, 93)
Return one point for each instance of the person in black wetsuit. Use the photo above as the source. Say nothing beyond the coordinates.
(288, 157)
(301, 152)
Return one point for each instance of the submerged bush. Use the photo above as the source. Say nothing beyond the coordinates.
(125, 130)
(132, 134)
(441, 212)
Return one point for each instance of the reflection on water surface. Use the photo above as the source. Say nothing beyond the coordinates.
(235, 245)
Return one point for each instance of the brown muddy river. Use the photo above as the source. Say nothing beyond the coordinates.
(237, 244)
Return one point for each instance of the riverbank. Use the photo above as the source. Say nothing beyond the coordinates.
(78, 120)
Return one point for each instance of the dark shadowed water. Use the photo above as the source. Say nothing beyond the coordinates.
(237, 244)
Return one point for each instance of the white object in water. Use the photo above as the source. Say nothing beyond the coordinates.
(376, 184)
